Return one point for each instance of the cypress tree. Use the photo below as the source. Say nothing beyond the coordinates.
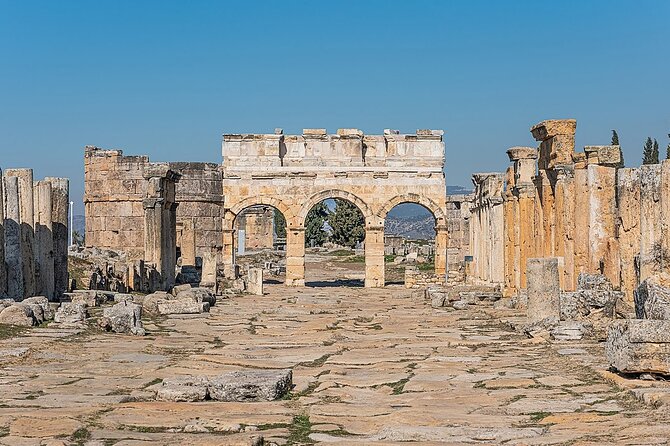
(654, 153)
(615, 138)
(280, 224)
(648, 152)
(347, 223)
(667, 150)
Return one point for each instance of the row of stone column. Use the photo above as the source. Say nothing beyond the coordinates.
(33, 235)
(374, 255)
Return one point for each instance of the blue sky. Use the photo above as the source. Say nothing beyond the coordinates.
(168, 78)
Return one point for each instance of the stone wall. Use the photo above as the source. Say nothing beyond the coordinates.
(458, 227)
(486, 230)
(258, 225)
(115, 187)
(33, 235)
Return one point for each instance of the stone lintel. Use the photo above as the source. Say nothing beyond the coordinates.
(552, 127)
(90, 151)
(350, 133)
(519, 153)
(314, 132)
(604, 155)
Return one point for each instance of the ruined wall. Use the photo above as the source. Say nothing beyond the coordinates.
(115, 187)
(487, 230)
(33, 235)
(258, 225)
(582, 208)
(295, 172)
(458, 227)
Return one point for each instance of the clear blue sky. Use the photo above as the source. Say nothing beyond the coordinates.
(168, 78)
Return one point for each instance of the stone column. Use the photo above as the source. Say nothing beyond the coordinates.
(374, 257)
(3, 265)
(160, 223)
(581, 239)
(511, 239)
(27, 223)
(441, 247)
(543, 289)
(665, 215)
(565, 224)
(255, 281)
(13, 257)
(295, 256)
(60, 210)
(628, 198)
(650, 220)
(524, 159)
(44, 241)
(603, 249)
(228, 252)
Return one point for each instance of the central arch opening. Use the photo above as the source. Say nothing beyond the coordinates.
(334, 244)
(260, 242)
(409, 241)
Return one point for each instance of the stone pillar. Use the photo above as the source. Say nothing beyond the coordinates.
(188, 243)
(160, 223)
(209, 270)
(3, 265)
(374, 257)
(544, 289)
(228, 253)
(13, 257)
(603, 249)
(650, 220)
(665, 215)
(26, 205)
(581, 238)
(255, 281)
(565, 225)
(441, 246)
(511, 236)
(44, 241)
(60, 210)
(628, 198)
(295, 256)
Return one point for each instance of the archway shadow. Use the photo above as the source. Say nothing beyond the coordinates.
(351, 283)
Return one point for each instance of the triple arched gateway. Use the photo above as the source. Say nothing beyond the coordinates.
(292, 173)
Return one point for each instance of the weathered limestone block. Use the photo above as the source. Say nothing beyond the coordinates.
(609, 156)
(13, 251)
(652, 298)
(198, 295)
(255, 281)
(179, 288)
(209, 268)
(437, 296)
(568, 331)
(557, 145)
(639, 346)
(71, 313)
(603, 247)
(543, 289)
(181, 306)
(251, 385)
(183, 389)
(18, 314)
(90, 298)
(150, 301)
(124, 317)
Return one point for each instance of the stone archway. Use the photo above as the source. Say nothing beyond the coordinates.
(294, 172)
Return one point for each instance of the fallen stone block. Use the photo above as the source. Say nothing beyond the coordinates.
(255, 281)
(586, 281)
(124, 317)
(179, 288)
(123, 297)
(460, 305)
(70, 313)
(543, 289)
(150, 301)
(181, 306)
(251, 385)
(438, 297)
(4, 303)
(198, 295)
(652, 298)
(91, 298)
(44, 307)
(639, 346)
(18, 314)
(183, 389)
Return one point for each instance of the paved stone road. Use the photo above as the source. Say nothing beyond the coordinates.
(370, 366)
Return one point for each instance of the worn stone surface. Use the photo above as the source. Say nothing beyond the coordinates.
(369, 367)
(18, 314)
